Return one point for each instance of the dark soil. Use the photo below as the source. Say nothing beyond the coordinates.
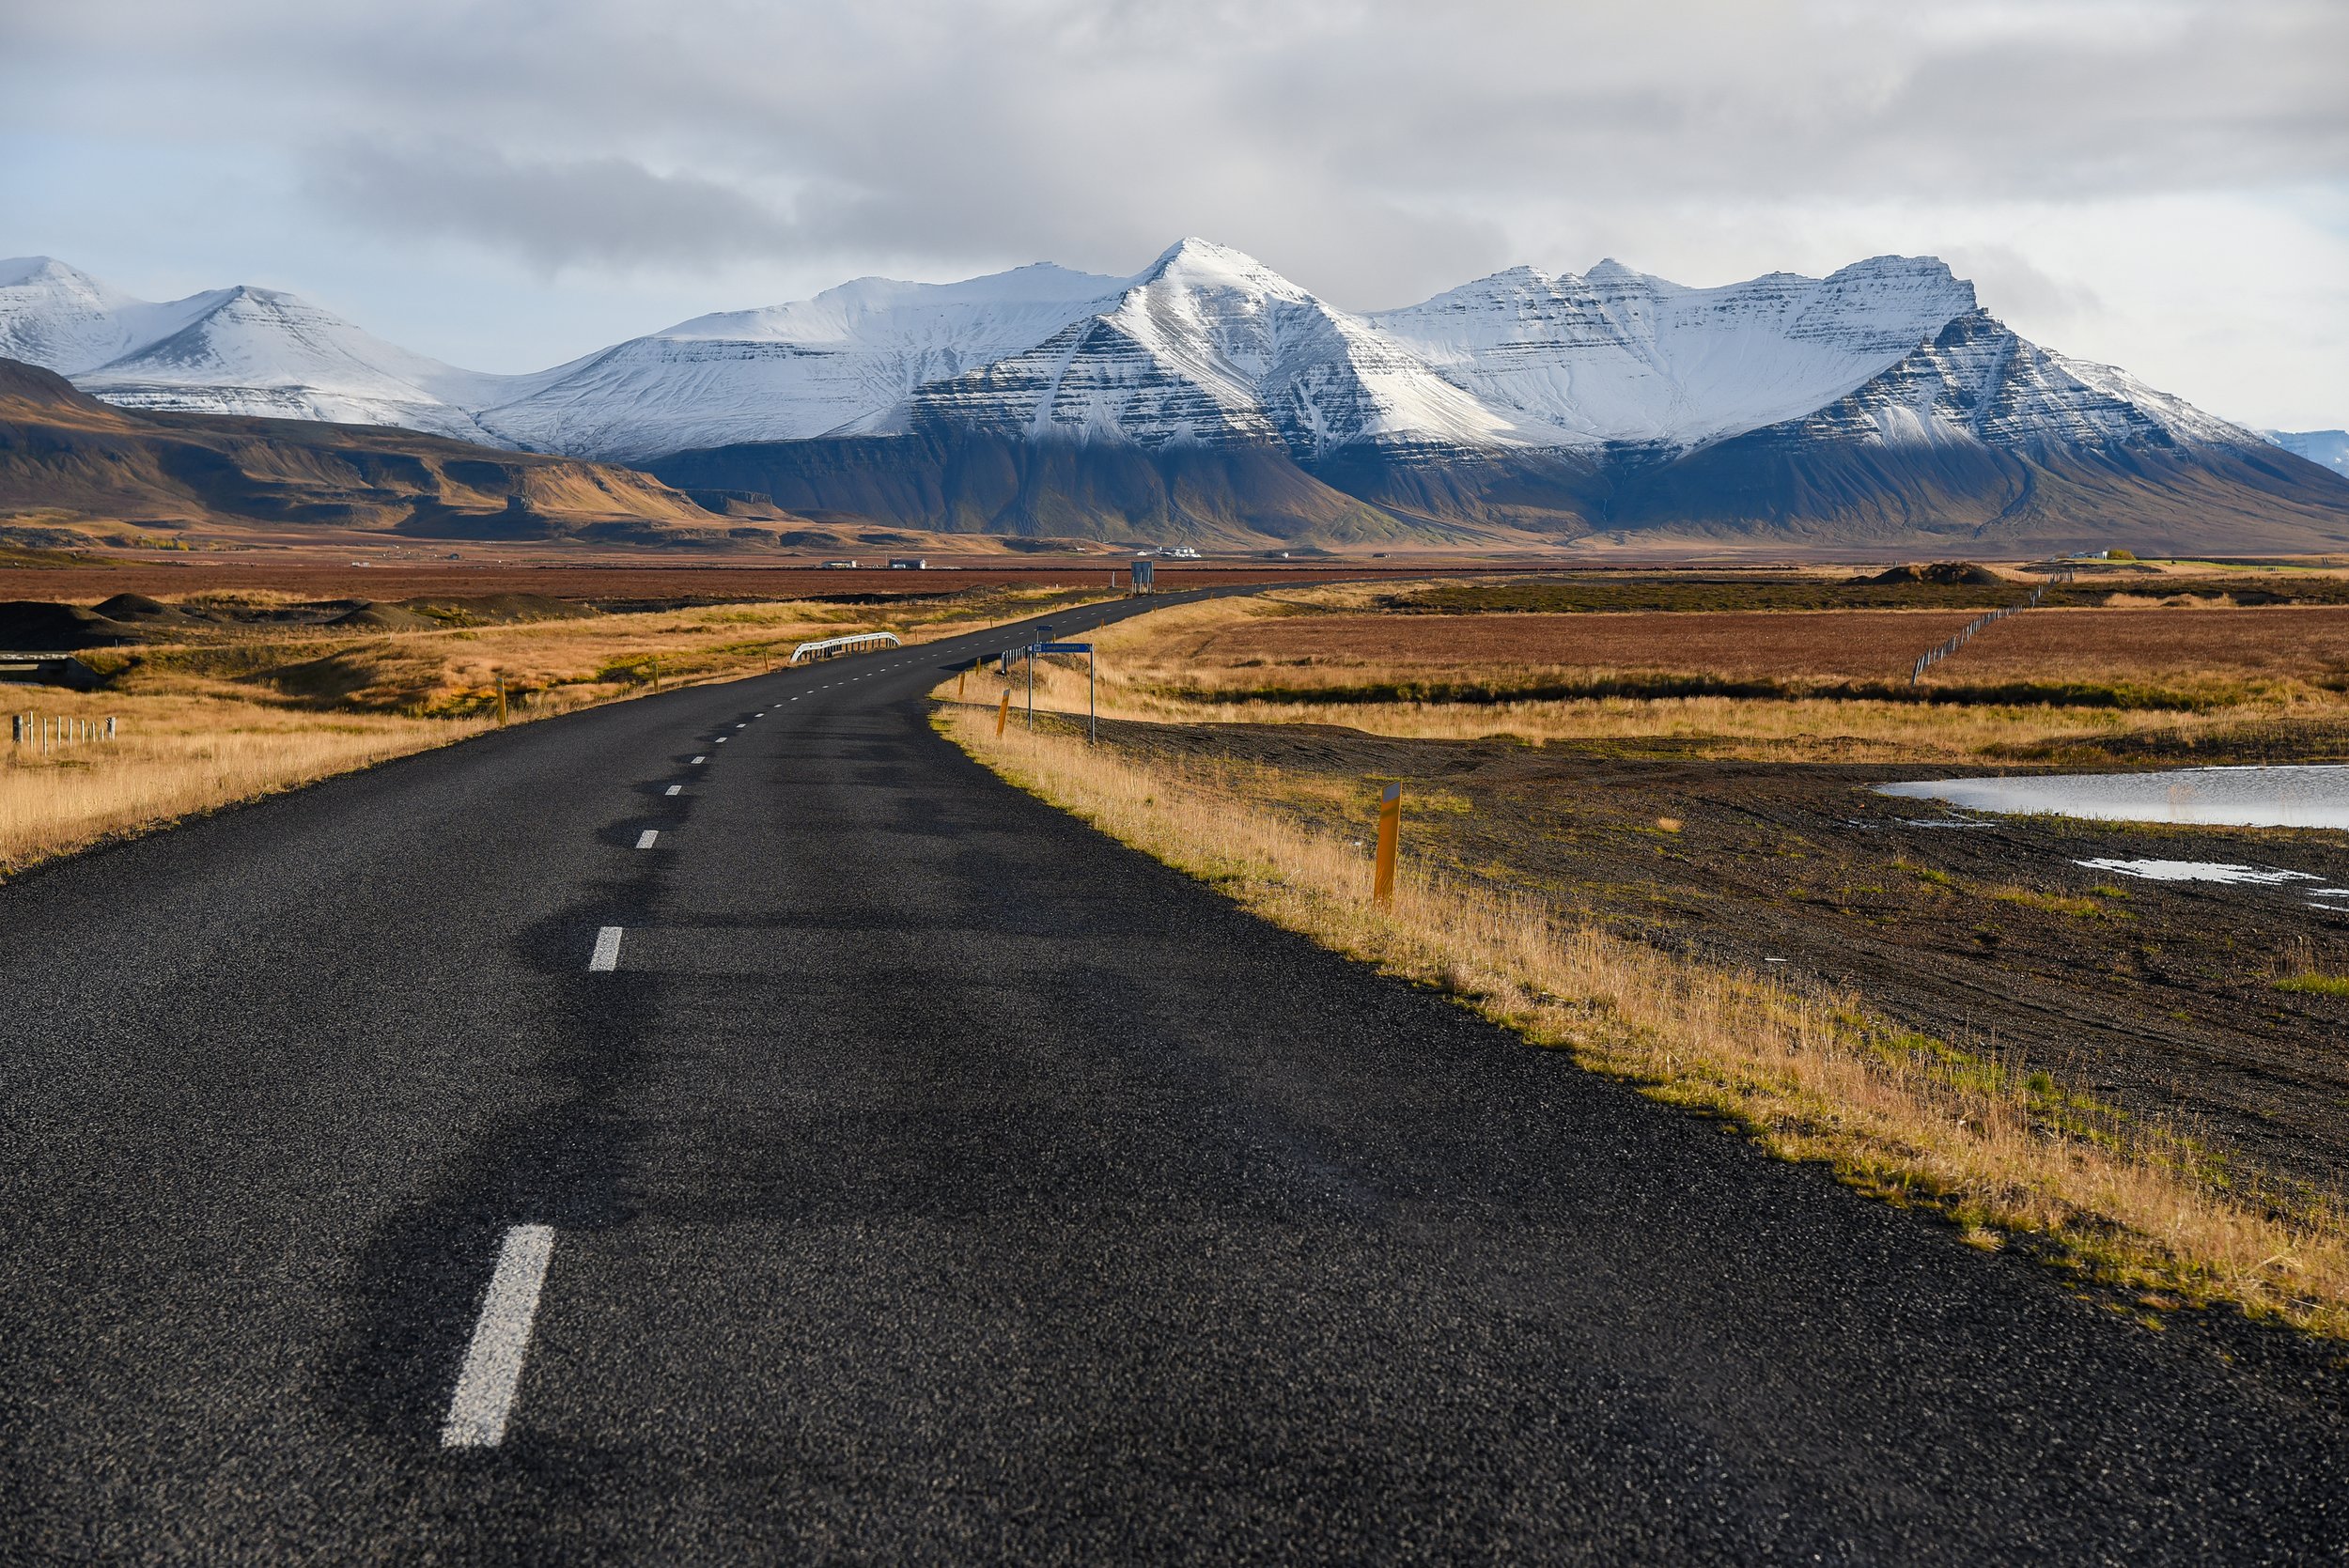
(2160, 997)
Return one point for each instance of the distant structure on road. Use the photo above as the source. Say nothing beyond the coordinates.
(1145, 576)
(839, 565)
(907, 562)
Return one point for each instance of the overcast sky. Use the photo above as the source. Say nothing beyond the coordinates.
(2161, 184)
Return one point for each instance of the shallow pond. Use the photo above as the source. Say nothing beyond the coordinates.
(2298, 796)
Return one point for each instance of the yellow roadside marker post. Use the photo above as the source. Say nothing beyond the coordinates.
(500, 699)
(1003, 714)
(1390, 819)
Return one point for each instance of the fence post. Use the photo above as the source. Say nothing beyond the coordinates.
(1003, 714)
(110, 726)
(1390, 821)
(500, 699)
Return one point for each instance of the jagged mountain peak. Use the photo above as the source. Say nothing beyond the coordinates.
(1978, 381)
(1616, 356)
(1196, 263)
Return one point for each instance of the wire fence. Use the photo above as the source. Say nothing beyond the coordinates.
(55, 732)
(1931, 657)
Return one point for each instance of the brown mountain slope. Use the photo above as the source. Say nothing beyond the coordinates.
(69, 460)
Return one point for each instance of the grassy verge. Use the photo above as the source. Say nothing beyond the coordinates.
(2004, 1153)
(206, 724)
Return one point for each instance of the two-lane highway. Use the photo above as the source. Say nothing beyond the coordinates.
(730, 1125)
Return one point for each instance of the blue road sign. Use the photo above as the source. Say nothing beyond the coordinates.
(1063, 647)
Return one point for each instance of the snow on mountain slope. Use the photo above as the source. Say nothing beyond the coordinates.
(1620, 356)
(68, 322)
(258, 352)
(1205, 348)
(1979, 382)
(836, 363)
(1208, 347)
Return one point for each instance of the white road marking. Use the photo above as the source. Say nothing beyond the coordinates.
(643, 840)
(493, 1362)
(743, 725)
(724, 739)
(677, 789)
(699, 759)
(606, 957)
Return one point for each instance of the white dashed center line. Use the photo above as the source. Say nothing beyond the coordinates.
(643, 840)
(676, 789)
(493, 1362)
(724, 739)
(701, 759)
(606, 957)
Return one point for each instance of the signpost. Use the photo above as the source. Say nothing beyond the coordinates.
(1382, 868)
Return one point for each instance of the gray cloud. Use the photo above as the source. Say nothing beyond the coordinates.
(608, 211)
(1375, 149)
(1026, 126)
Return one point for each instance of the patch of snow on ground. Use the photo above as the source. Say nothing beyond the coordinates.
(2198, 871)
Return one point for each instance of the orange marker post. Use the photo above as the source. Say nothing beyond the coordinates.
(1003, 714)
(1390, 820)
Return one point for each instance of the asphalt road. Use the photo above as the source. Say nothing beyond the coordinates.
(931, 1179)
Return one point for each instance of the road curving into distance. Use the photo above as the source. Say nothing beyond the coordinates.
(733, 1126)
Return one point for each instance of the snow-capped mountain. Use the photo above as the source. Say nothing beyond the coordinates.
(2328, 447)
(258, 352)
(838, 362)
(68, 322)
(1618, 356)
(242, 351)
(1207, 346)
(1978, 382)
(1209, 395)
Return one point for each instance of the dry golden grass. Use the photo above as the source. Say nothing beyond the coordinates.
(2003, 1153)
(179, 755)
(207, 724)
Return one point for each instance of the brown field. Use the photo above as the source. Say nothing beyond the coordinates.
(1777, 686)
(1826, 645)
(2154, 647)
(2175, 648)
(631, 578)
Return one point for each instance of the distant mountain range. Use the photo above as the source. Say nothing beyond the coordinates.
(2328, 447)
(1210, 398)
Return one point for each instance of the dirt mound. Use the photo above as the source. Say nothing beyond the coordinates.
(1948, 573)
(136, 607)
(381, 617)
(33, 625)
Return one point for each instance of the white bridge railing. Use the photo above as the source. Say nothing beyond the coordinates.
(826, 647)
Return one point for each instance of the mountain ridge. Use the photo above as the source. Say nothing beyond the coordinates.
(1209, 396)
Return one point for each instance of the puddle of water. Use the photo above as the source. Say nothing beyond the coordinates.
(2313, 795)
(2202, 871)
